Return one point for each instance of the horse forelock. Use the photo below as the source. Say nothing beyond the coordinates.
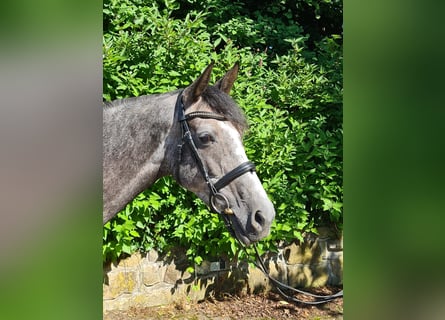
(222, 103)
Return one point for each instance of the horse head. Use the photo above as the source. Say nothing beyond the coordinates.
(212, 162)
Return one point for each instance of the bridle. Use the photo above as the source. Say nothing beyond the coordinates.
(216, 195)
(214, 188)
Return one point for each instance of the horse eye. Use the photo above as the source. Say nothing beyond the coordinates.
(205, 138)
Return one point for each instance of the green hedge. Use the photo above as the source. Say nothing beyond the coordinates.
(290, 87)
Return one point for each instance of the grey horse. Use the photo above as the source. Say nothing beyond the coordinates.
(194, 135)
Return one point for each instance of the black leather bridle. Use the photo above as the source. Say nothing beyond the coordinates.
(187, 138)
(216, 195)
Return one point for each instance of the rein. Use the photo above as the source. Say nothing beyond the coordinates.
(215, 195)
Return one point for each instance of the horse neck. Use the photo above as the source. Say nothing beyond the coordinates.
(138, 135)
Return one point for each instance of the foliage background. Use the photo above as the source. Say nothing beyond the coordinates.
(289, 86)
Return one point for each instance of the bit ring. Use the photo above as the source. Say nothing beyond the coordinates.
(222, 197)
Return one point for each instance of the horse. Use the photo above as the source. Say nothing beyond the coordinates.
(195, 136)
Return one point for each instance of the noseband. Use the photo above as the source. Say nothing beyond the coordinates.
(187, 138)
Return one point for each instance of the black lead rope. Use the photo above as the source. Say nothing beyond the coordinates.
(281, 286)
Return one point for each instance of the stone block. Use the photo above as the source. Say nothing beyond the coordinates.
(151, 256)
(299, 276)
(159, 295)
(199, 288)
(257, 282)
(132, 261)
(277, 269)
(152, 274)
(172, 275)
(119, 282)
(120, 303)
(306, 253)
(203, 268)
(232, 282)
(335, 268)
(320, 275)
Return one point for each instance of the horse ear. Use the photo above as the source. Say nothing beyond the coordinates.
(225, 84)
(194, 91)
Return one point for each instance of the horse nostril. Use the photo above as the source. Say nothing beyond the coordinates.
(258, 224)
(259, 218)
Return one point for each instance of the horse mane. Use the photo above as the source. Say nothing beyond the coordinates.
(131, 100)
(217, 100)
(223, 104)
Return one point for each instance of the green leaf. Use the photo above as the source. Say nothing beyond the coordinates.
(134, 233)
(198, 260)
(126, 248)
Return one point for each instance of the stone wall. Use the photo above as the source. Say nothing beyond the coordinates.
(151, 280)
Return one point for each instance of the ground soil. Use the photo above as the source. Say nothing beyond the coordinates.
(251, 307)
